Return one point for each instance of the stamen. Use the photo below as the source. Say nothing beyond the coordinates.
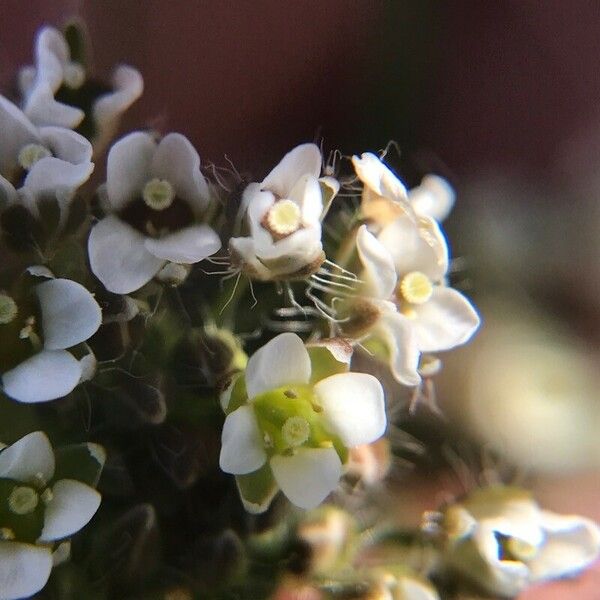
(8, 309)
(7, 534)
(47, 496)
(158, 194)
(416, 287)
(74, 75)
(23, 500)
(283, 218)
(31, 153)
(295, 431)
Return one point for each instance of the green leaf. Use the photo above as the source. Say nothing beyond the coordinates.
(257, 489)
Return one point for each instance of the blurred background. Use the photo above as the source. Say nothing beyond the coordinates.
(502, 98)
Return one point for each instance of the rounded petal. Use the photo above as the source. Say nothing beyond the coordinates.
(353, 406)
(243, 252)
(47, 375)
(51, 54)
(380, 273)
(52, 175)
(242, 448)
(309, 476)
(43, 109)
(27, 458)
(70, 315)
(281, 361)
(24, 569)
(72, 506)
(433, 198)
(397, 332)
(66, 144)
(119, 258)
(446, 320)
(308, 196)
(377, 177)
(188, 246)
(302, 160)
(177, 161)
(17, 131)
(128, 167)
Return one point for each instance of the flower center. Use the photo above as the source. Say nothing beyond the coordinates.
(521, 550)
(158, 194)
(8, 309)
(23, 500)
(74, 75)
(6, 534)
(283, 218)
(415, 288)
(31, 153)
(295, 431)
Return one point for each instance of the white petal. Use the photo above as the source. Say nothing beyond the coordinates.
(51, 175)
(302, 160)
(17, 131)
(119, 258)
(43, 109)
(243, 251)
(377, 177)
(128, 167)
(380, 273)
(309, 476)
(281, 361)
(353, 407)
(433, 198)
(398, 334)
(8, 194)
(177, 161)
(413, 589)
(242, 448)
(293, 251)
(52, 54)
(25, 79)
(72, 506)
(70, 315)
(307, 194)
(416, 246)
(188, 246)
(24, 569)
(66, 144)
(27, 458)
(47, 375)
(572, 543)
(257, 203)
(446, 320)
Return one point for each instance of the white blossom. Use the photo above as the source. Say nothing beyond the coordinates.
(156, 196)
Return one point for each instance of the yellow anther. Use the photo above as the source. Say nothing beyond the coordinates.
(6, 533)
(23, 500)
(47, 496)
(295, 431)
(158, 194)
(8, 309)
(31, 153)
(283, 218)
(416, 288)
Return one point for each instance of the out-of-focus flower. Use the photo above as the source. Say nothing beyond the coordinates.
(397, 583)
(370, 463)
(284, 215)
(58, 91)
(38, 324)
(385, 198)
(156, 196)
(501, 540)
(285, 429)
(38, 512)
(39, 163)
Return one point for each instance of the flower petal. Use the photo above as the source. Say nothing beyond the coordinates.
(119, 258)
(433, 198)
(43, 109)
(281, 361)
(47, 375)
(72, 506)
(70, 315)
(24, 569)
(380, 273)
(17, 131)
(54, 176)
(302, 160)
(177, 161)
(378, 177)
(128, 167)
(51, 54)
(188, 246)
(242, 448)
(28, 458)
(446, 320)
(353, 407)
(309, 476)
(66, 144)
(308, 196)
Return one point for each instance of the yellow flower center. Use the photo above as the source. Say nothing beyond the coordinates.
(74, 75)
(521, 550)
(415, 288)
(295, 431)
(8, 309)
(283, 218)
(158, 194)
(31, 153)
(23, 500)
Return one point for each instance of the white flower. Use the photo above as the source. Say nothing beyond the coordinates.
(55, 74)
(294, 429)
(284, 216)
(502, 540)
(385, 197)
(39, 512)
(42, 162)
(56, 315)
(157, 195)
